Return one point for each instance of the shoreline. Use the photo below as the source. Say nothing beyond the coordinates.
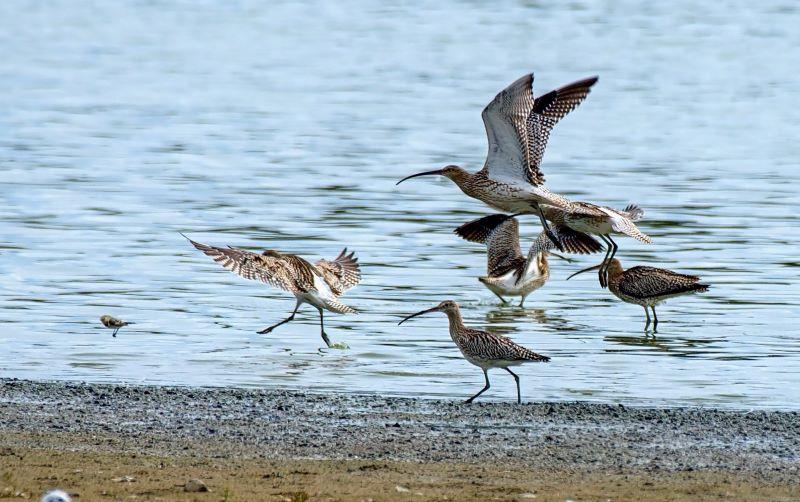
(379, 443)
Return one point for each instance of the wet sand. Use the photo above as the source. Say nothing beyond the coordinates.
(109, 441)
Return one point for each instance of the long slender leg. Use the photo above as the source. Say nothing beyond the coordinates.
(647, 313)
(486, 375)
(601, 272)
(322, 330)
(614, 248)
(516, 379)
(566, 259)
(522, 302)
(114, 334)
(501, 298)
(655, 317)
(547, 230)
(291, 317)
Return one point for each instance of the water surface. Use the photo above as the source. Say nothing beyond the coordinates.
(286, 126)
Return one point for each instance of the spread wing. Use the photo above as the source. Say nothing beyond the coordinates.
(342, 273)
(287, 272)
(644, 282)
(500, 233)
(505, 119)
(502, 249)
(572, 241)
(547, 110)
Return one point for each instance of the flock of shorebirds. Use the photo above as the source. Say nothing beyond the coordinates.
(518, 127)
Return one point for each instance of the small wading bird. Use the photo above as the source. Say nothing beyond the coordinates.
(647, 286)
(510, 273)
(319, 284)
(518, 127)
(483, 349)
(599, 220)
(113, 323)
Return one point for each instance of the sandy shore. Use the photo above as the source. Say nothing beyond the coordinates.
(107, 442)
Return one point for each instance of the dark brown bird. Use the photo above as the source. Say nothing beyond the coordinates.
(647, 286)
(113, 323)
(319, 284)
(483, 349)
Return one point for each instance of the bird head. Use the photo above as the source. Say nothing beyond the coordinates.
(614, 268)
(453, 172)
(447, 306)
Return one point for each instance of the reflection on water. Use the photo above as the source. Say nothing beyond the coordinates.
(126, 123)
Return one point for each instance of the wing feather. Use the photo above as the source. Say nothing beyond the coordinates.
(287, 272)
(342, 273)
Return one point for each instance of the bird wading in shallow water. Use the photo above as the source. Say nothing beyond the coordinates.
(510, 273)
(113, 323)
(483, 349)
(647, 286)
(518, 127)
(319, 284)
(599, 220)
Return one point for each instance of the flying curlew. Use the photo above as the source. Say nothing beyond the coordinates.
(510, 273)
(599, 220)
(483, 349)
(647, 286)
(518, 127)
(319, 284)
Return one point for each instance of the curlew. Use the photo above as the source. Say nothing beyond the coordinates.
(483, 349)
(319, 284)
(599, 220)
(510, 273)
(647, 286)
(518, 127)
(113, 323)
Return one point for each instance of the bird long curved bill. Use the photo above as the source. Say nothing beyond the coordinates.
(594, 267)
(419, 313)
(426, 173)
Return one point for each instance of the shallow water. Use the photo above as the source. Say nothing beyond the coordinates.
(287, 126)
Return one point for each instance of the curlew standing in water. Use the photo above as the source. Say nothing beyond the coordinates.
(518, 127)
(483, 349)
(319, 284)
(647, 286)
(599, 220)
(510, 273)
(113, 323)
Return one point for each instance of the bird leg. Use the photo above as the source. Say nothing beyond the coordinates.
(486, 375)
(566, 259)
(655, 317)
(114, 334)
(516, 379)
(501, 298)
(291, 317)
(647, 313)
(601, 271)
(322, 330)
(547, 230)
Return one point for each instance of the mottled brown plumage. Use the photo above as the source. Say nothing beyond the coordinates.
(648, 286)
(517, 128)
(113, 323)
(509, 272)
(483, 349)
(319, 284)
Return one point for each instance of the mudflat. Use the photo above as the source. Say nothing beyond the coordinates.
(107, 442)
